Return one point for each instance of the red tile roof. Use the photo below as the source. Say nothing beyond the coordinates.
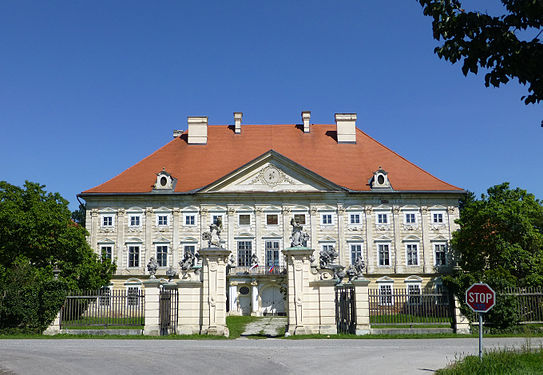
(347, 165)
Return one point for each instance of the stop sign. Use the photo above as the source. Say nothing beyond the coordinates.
(480, 297)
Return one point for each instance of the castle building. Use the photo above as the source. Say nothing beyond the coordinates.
(350, 194)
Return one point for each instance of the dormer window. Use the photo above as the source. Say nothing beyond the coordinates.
(164, 181)
(380, 180)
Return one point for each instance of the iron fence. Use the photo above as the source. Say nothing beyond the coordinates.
(103, 308)
(405, 308)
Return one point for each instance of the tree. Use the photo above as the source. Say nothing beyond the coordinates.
(37, 234)
(500, 241)
(79, 215)
(507, 46)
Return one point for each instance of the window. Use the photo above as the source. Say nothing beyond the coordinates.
(410, 218)
(356, 252)
(190, 219)
(437, 218)
(162, 220)
(440, 250)
(133, 256)
(354, 219)
(107, 220)
(189, 249)
(382, 218)
(384, 254)
(413, 294)
(135, 220)
(244, 253)
(385, 294)
(272, 253)
(244, 219)
(133, 295)
(162, 255)
(326, 219)
(106, 252)
(412, 254)
(272, 219)
(300, 218)
(216, 219)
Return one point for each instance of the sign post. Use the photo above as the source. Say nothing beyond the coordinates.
(480, 298)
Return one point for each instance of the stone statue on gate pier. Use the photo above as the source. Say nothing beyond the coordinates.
(298, 237)
(213, 237)
(152, 266)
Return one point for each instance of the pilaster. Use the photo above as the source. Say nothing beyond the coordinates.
(176, 224)
(120, 226)
(298, 266)
(152, 306)
(361, 291)
(214, 291)
(370, 246)
(427, 251)
(399, 259)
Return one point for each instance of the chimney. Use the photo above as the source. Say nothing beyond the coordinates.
(237, 122)
(197, 129)
(346, 127)
(306, 116)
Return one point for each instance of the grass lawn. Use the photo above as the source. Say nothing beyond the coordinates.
(236, 324)
(501, 362)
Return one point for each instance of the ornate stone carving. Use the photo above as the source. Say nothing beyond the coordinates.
(213, 237)
(231, 211)
(187, 262)
(286, 210)
(327, 256)
(368, 210)
(410, 227)
(424, 210)
(382, 227)
(121, 212)
(148, 210)
(396, 210)
(451, 210)
(271, 176)
(170, 272)
(152, 266)
(354, 271)
(298, 237)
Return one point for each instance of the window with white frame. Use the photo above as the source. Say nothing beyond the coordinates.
(107, 252)
(354, 218)
(107, 221)
(440, 251)
(437, 218)
(272, 219)
(382, 218)
(385, 294)
(414, 294)
(245, 249)
(133, 295)
(162, 219)
(162, 255)
(356, 252)
(326, 219)
(410, 218)
(272, 253)
(190, 219)
(383, 249)
(412, 254)
(134, 220)
(133, 256)
(299, 218)
(244, 219)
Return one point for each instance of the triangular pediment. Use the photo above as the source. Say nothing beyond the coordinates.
(273, 173)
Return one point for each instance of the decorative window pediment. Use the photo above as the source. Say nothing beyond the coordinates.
(385, 279)
(413, 279)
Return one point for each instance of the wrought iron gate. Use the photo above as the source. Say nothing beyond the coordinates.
(345, 309)
(168, 313)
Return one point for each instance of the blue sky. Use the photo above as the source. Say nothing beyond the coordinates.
(88, 88)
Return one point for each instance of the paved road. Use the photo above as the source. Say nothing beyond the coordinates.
(242, 356)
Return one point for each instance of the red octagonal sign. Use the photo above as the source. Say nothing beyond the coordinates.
(480, 297)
